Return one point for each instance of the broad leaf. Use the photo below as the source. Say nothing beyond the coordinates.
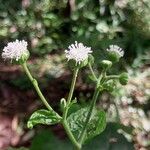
(110, 139)
(43, 117)
(96, 125)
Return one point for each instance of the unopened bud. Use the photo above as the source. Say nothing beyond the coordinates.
(106, 64)
(63, 103)
(115, 53)
(123, 78)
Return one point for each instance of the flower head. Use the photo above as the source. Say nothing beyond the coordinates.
(115, 53)
(78, 52)
(15, 50)
(116, 49)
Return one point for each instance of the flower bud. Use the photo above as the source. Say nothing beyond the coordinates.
(123, 78)
(109, 85)
(115, 53)
(63, 103)
(100, 87)
(106, 64)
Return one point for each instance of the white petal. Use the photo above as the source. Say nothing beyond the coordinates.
(78, 52)
(14, 50)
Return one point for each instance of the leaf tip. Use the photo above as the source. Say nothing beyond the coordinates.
(29, 125)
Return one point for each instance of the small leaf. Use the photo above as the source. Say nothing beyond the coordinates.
(96, 125)
(92, 78)
(43, 117)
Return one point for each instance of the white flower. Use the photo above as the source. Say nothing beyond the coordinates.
(116, 49)
(14, 50)
(78, 52)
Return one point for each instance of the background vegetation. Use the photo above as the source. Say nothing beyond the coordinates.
(49, 27)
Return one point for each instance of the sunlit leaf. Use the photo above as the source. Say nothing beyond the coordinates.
(43, 117)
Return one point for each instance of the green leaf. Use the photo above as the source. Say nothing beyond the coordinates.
(46, 140)
(110, 139)
(96, 125)
(43, 117)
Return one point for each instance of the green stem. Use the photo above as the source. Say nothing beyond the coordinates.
(117, 113)
(112, 77)
(95, 96)
(71, 92)
(93, 74)
(70, 135)
(35, 84)
(64, 121)
(83, 133)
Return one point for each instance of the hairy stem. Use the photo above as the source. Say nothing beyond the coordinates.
(91, 69)
(95, 96)
(64, 120)
(71, 92)
(83, 133)
(35, 84)
(112, 77)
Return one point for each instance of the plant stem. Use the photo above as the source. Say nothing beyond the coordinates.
(91, 69)
(112, 77)
(64, 120)
(117, 113)
(83, 133)
(70, 135)
(71, 92)
(35, 84)
(95, 96)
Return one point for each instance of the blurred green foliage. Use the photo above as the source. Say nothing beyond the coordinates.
(50, 25)
(39, 22)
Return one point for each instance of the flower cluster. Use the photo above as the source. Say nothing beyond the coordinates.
(14, 50)
(78, 52)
